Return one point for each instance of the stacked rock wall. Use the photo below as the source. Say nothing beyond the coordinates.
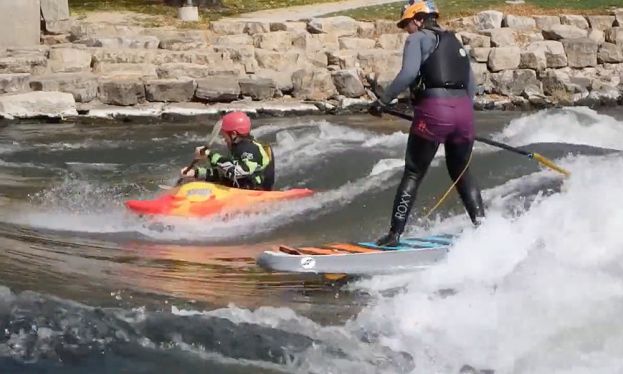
(519, 61)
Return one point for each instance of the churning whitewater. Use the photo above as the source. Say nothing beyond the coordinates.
(537, 288)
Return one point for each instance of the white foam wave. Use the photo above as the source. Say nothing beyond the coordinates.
(532, 294)
(575, 125)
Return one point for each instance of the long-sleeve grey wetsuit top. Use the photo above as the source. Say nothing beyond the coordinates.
(418, 47)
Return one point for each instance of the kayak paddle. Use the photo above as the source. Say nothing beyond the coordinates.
(215, 130)
(533, 155)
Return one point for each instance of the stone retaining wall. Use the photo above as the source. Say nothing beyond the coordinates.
(519, 62)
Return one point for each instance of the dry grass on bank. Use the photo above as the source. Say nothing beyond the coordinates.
(158, 14)
(459, 8)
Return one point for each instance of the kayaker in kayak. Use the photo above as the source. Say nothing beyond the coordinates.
(437, 70)
(250, 164)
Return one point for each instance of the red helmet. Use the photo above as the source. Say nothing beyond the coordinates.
(236, 121)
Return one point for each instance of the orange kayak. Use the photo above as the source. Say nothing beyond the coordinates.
(201, 199)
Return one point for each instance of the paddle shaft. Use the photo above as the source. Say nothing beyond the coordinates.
(507, 147)
(215, 130)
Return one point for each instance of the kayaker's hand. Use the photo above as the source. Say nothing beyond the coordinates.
(201, 153)
(376, 108)
(188, 173)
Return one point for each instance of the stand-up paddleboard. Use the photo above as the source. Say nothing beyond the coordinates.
(358, 258)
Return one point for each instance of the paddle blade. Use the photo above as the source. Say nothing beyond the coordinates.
(215, 130)
(550, 164)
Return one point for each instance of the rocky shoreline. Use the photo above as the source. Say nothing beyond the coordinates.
(107, 71)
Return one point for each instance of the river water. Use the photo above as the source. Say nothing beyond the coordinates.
(86, 286)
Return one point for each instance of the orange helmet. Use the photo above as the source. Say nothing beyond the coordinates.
(238, 122)
(414, 8)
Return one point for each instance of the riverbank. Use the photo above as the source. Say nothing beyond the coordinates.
(109, 70)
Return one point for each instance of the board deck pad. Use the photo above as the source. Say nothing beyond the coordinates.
(415, 243)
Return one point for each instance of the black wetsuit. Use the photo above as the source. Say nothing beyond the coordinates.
(437, 70)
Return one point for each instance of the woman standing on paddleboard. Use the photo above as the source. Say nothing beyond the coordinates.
(437, 70)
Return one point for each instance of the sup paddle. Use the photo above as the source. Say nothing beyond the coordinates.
(213, 136)
(532, 155)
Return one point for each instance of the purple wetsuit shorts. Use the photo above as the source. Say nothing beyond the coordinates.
(444, 119)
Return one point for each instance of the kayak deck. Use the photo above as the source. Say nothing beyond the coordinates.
(201, 199)
(357, 258)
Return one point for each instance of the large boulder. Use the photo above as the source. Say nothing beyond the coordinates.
(282, 26)
(313, 84)
(555, 81)
(256, 27)
(126, 56)
(245, 57)
(277, 60)
(258, 88)
(316, 42)
(596, 35)
(553, 51)
(83, 86)
(504, 37)
(615, 35)
(366, 30)
(282, 79)
(480, 54)
(318, 59)
(489, 19)
(601, 22)
(37, 104)
(482, 75)
(218, 89)
(610, 54)
(69, 59)
(534, 59)
(384, 26)
(563, 87)
(126, 71)
(348, 83)
(546, 22)
(122, 92)
(376, 61)
(170, 90)
(340, 26)
(356, 43)
(516, 82)
(475, 40)
(23, 63)
(275, 41)
(81, 31)
(237, 39)
(182, 44)
(182, 71)
(468, 24)
(558, 32)
(581, 52)
(58, 27)
(519, 22)
(134, 42)
(344, 59)
(13, 83)
(227, 27)
(574, 20)
(504, 58)
(391, 41)
(216, 60)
